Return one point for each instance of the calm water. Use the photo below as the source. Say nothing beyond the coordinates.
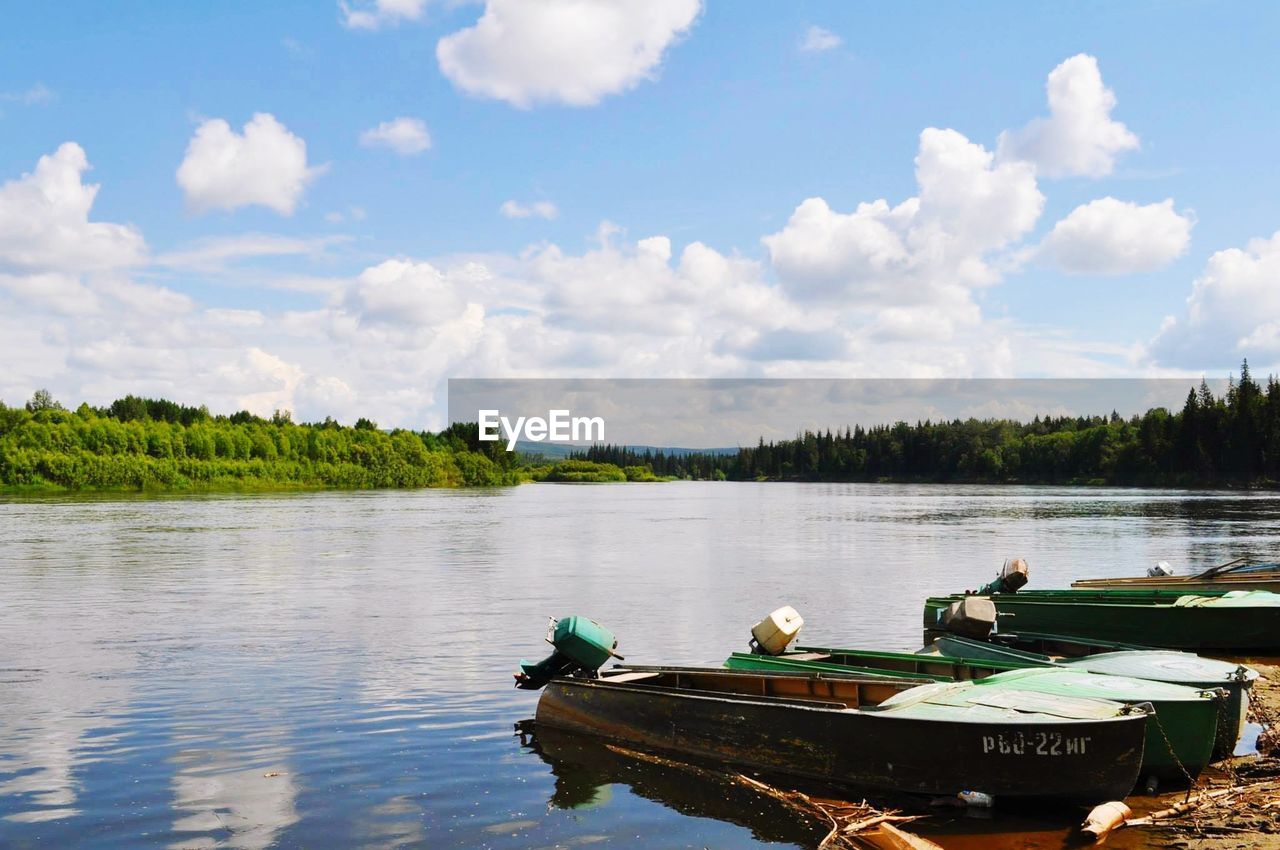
(334, 670)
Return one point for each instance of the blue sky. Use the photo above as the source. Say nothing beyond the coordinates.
(357, 277)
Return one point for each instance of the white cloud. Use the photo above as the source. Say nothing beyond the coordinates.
(1114, 237)
(215, 253)
(61, 294)
(372, 15)
(527, 52)
(264, 165)
(932, 248)
(1079, 137)
(353, 213)
(880, 290)
(38, 93)
(44, 221)
(537, 209)
(405, 136)
(819, 40)
(406, 293)
(1233, 311)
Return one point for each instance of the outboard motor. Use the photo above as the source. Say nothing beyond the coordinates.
(972, 616)
(1161, 568)
(1012, 577)
(773, 634)
(580, 645)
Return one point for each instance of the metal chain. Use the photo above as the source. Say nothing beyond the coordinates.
(1191, 782)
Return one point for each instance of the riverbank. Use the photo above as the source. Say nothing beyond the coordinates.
(1240, 798)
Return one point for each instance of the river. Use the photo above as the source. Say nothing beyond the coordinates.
(334, 669)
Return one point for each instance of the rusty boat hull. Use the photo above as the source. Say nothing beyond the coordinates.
(812, 726)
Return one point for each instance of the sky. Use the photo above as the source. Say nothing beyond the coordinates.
(335, 207)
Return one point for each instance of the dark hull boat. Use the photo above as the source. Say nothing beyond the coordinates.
(1167, 619)
(1180, 733)
(868, 732)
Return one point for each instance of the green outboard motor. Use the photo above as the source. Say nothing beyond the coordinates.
(580, 645)
(1012, 576)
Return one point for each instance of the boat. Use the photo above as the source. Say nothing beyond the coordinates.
(868, 732)
(1166, 619)
(1240, 574)
(1160, 665)
(1181, 733)
(871, 732)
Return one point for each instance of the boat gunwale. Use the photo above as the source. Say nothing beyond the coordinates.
(1124, 711)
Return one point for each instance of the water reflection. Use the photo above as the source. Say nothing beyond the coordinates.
(160, 657)
(586, 771)
(57, 717)
(235, 807)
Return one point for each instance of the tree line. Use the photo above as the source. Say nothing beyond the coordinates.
(1232, 440)
(140, 443)
(145, 444)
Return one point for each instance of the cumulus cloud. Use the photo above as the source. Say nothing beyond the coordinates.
(1114, 237)
(375, 14)
(931, 248)
(884, 289)
(264, 165)
(45, 226)
(405, 136)
(403, 292)
(1079, 137)
(527, 52)
(537, 209)
(1233, 311)
(819, 40)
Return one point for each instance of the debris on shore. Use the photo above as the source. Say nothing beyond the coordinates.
(1236, 803)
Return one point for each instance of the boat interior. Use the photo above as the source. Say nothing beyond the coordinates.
(937, 667)
(832, 689)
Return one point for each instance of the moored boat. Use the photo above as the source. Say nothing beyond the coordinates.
(1168, 619)
(1160, 665)
(873, 732)
(869, 732)
(1241, 574)
(1181, 733)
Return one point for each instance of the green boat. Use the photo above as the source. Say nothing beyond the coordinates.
(872, 733)
(877, 732)
(1160, 665)
(1168, 619)
(1180, 735)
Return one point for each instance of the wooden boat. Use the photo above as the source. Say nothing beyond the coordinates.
(1160, 665)
(1241, 574)
(870, 732)
(1168, 619)
(1181, 734)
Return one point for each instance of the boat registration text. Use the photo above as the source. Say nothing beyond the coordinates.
(1035, 743)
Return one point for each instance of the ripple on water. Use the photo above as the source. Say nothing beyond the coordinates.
(334, 669)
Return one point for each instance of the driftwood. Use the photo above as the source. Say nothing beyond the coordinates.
(1191, 804)
(851, 825)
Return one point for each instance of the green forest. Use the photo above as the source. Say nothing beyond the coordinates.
(154, 444)
(1233, 441)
